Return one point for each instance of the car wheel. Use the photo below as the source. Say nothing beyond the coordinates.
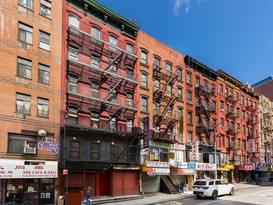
(214, 194)
(231, 193)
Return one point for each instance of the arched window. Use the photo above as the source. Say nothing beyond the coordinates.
(73, 21)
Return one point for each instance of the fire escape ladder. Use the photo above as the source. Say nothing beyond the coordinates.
(112, 90)
(112, 115)
(113, 61)
(128, 143)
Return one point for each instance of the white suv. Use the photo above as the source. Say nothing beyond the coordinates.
(212, 188)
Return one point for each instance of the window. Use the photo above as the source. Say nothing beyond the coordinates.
(168, 68)
(144, 79)
(25, 33)
(129, 48)
(129, 125)
(156, 62)
(157, 84)
(154, 154)
(221, 89)
(43, 73)
(94, 119)
(73, 21)
(180, 113)
(129, 99)
(114, 151)
(73, 53)
(223, 141)
(170, 111)
(44, 41)
(130, 73)
(95, 151)
(95, 61)
(95, 92)
(189, 97)
(244, 129)
(113, 43)
(72, 115)
(222, 122)
(197, 82)
(243, 100)
(169, 90)
(157, 107)
(180, 98)
(144, 104)
(21, 144)
(26, 3)
(42, 107)
(179, 74)
(222, 106)
(189, 78)
(113, 97)
(24, 68)
(190, 118)
(95, 32)
(45, 8)
(113, 123)
(23, 103)
(213, 105)
(169, 133)
(189, 137)
(74, 149)
(144, 57)
(206, 85)
(72, 84)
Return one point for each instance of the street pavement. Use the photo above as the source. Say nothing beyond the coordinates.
(152, 198)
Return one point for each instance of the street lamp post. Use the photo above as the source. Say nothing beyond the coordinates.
(215, 156)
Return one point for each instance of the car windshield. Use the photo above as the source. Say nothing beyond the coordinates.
(200, 183)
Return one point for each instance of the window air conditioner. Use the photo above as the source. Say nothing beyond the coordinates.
(28, 149)
(113, 129)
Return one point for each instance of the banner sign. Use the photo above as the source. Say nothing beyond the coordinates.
(158, 171)
(146, 132)
(22, 169)
(205, 167)
(158, 164)
(195, 151)
(186, 165)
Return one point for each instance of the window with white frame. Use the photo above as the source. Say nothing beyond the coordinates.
(129, 49)
(26, 3)
(129, 125)
(25, 33)
(95, 61)
(73, 21)
(144, 57)
(95, 32)
(113, 123)
(45, 8)
(197, 81)
(157, 107)
(22, 103)
(129, 99)
(72, 84)
(189, 78)
(42, 107)
(169, 90)
(73, 53)
(24, 68)
(95, 92)
(94, 119)
(144, 80)
(43, 73)
(144, 104)
(44, 41)
(113, 43)
(72, 115)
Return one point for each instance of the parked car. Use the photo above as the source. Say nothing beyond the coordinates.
(212, 188)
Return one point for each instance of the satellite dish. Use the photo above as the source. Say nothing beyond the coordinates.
(41, 133)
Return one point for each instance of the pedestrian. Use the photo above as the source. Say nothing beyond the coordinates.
(87, 200)
(181, 187)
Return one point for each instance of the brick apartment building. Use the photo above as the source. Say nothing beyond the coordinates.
(30, 79)
(264, 87)
(99, 137)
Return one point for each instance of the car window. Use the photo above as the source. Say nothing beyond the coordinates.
(211, 183)
(200, 183)
(223, 183)
(218, 183)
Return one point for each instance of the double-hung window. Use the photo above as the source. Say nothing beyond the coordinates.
(129, 99)
(43, 73)
(144, 104)
(95, 61)
(25, 33)
(95, 33)
(42, 107)
(24, 68)
(113, 43)
(26, 3)
(72, 84)
(73, 53)
(94, 119)
(129, 125)
(144, 80)
(113, 123)
(95, 92)
(144, 57)
(22, 103)
(44, 41)
(45, 8)
(73, 21)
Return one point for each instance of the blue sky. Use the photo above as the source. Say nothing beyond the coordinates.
(233, 35)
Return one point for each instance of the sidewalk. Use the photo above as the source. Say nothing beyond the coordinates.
(151, 198)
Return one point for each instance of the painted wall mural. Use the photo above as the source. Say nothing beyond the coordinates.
(49, 144)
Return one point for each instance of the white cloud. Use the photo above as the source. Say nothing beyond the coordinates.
(181, 3)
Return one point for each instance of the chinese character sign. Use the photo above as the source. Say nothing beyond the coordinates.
(146, 132)
(195, 151)
(251, 145)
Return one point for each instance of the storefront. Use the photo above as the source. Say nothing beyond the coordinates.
(243, 172)
(30, 180)
(225, 173)
(205, 170)
(183, 171)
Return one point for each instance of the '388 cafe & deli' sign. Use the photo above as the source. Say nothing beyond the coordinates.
(24, 169)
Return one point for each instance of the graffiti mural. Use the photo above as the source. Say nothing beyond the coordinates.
(49, 144)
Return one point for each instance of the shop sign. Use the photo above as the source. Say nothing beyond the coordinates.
(257, 166)
(251, 145)
(195, 151)
(185, 172)
(158, 171)
(205, 167)
(20, 169)
(161, 144)
(179, 146)
(186, 165)
(158, 164)
(146, 132)
(246, 167)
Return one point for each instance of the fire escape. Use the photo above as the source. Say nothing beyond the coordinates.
(267, 132)
(233, 129)
(164, 97)
(204, 110)
(110, 85)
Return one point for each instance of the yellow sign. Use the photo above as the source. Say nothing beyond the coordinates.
(171, 155)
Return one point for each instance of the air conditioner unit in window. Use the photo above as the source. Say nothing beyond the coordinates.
(20, 116)
(113, 129)
(28, 149)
